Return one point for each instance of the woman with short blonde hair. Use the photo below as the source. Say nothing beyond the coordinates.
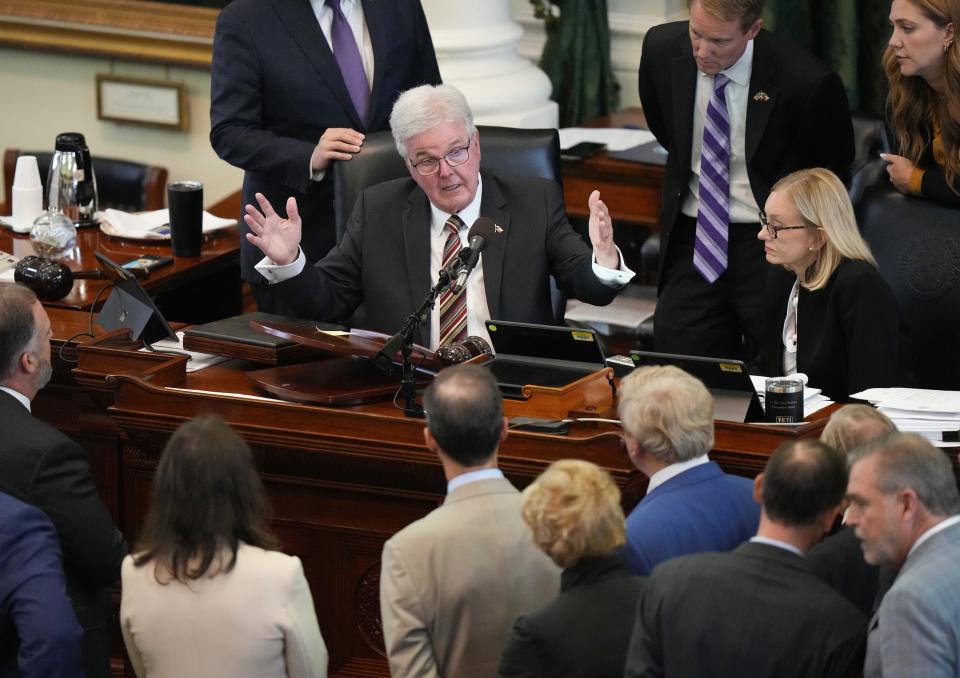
(573, 510)
(828, 312)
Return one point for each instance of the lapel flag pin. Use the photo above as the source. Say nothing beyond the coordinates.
(497, 229)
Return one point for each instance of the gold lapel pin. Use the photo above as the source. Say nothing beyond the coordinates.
(497, 229)
(761, 96)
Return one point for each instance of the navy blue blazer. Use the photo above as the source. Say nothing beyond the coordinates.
(276, 88)
(39, 633)
(702, 509)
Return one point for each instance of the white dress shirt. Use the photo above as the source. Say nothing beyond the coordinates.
(353, 12)
(673, 470)
(472, 477)
(939, 527)
(478, 312)
(790, 333)
(776, 542)
(743, 206)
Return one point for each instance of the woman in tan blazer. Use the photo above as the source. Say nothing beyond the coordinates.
(205, 593)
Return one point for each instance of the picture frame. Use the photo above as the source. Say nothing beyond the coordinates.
(142, 101)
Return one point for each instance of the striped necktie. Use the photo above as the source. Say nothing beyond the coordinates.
(453, 307)
(347, 54)
(713, 213)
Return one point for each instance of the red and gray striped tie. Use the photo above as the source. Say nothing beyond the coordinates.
(713, 213)
(453, 307)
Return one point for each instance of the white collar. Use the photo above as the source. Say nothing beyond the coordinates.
(777, 543)
(469, 214)
(740, 72)
(673, 470)
(22, 399)
(472, 477)
(939, 527)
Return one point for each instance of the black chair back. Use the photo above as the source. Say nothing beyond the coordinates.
(506, 151)
(917, 246)
(870, 140)
(121, 184)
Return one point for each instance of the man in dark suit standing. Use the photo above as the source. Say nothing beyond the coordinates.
(402, 232)
(757, 611)
(737, 108)
(295, 84)
(42, 467)
(39, 634)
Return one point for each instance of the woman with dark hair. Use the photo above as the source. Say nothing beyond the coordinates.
(205, 593)
(922, 63)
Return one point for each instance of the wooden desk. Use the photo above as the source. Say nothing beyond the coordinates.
(341, 480)
(631, 190)
(216, 271)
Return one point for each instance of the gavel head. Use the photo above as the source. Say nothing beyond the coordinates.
(48, 279)
(462, 351)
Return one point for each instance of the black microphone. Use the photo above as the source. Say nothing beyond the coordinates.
(479, 236)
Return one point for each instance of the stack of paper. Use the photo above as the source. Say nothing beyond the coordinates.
(933, 414)
(152, 225)
(813, 399)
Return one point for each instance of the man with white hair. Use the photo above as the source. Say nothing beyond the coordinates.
(691, 505)
(402, 232)
(903, 507)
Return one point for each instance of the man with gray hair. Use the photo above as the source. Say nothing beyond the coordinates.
(401, 233)
(41, 466)
(691, 505)
(453, 582)
(903, 507)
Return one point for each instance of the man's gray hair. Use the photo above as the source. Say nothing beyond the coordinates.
(908, 460)
(668, 412)
(422, 108)
(17, 326)
(855, 425)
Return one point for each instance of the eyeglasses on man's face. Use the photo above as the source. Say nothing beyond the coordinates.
(774, 230)
(454, 158)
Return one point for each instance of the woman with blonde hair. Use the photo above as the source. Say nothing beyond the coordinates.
(922, 63)
(573, 510)
(828, 312)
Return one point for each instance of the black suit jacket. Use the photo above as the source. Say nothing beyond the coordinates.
(42, 467)
(849, 336)
(584, 632)
(383, 258)
(276, 87)
(838, 561)
(797, 114)
(756, 612)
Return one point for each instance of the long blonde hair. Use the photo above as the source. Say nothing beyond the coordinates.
(822, 201)
(912, 103)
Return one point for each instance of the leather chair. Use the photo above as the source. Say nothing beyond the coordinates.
(121, 184)
(870, 140)
(507, 151)
(917, 247)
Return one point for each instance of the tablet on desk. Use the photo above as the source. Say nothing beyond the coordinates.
(727, 379)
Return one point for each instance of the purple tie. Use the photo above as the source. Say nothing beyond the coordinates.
(713, 214)
(348, 58)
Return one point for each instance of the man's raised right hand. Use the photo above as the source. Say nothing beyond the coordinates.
(277, 238)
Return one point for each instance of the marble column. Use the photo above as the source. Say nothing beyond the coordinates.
(476, 43)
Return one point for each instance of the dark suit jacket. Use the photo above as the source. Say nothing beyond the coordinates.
(701, 509)
(838, 560)
(276, 87)
(803, 121)
(849, 336)
(42, 467)
(584, 632)
(36, 620)
(383, 258)
(756, 612)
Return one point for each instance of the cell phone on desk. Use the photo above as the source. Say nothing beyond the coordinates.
(582, 151)
(142, 265)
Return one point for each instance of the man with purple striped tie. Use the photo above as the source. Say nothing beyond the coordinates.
(737, 108)
(402, 232)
